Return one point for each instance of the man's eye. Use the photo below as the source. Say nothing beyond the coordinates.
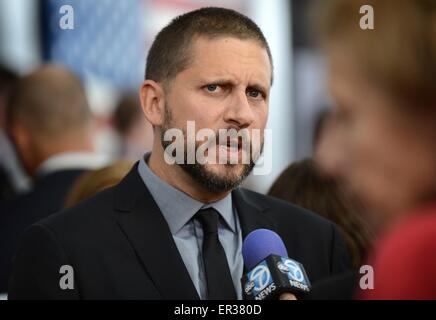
(212, 87)
(254, 93)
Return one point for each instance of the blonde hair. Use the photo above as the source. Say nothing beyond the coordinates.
(399, 55)
(94, 181)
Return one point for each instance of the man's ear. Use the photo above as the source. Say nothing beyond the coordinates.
(19, 135)
(153, 102)
(24, 145)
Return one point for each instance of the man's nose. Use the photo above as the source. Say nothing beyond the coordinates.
(239, 112)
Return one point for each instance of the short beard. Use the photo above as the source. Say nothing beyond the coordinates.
(198, 172)
(213, 182)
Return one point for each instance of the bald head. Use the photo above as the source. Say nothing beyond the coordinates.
(48, 114)
(50, 102)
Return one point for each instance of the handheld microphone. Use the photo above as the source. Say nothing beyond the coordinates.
(271, 273)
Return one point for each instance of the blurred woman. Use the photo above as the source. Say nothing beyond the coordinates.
(383, 82)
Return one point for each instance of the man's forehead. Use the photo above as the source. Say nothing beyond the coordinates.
(230, 56)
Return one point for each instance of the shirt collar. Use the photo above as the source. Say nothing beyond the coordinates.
(177, 207)
(72, 160)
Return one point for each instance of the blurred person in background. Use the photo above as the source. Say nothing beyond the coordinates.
(384, 132)
(135, 132)
(303, 185)
(320, 123)
(7, 191)
(93, 181)
(51, 125)
(327, 131)
(12, 177)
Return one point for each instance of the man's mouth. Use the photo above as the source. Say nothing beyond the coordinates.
(232, 146)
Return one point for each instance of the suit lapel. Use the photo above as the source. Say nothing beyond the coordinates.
(148, 232)
(252, 215)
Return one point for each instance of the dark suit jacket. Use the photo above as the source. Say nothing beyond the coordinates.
(46, 197)
(7, 191)
(120, 246)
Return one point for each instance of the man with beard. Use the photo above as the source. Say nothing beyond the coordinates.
(175, 231)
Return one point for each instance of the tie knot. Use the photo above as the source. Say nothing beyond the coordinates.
(208, 219)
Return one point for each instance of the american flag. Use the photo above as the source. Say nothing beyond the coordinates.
(107, 39)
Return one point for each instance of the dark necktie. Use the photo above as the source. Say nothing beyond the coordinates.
(218, 277)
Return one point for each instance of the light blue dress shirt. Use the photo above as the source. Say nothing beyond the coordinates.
(178, 209)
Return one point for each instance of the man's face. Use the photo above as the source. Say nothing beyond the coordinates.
(226, 86)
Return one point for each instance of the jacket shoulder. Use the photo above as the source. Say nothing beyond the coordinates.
(283, 211)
